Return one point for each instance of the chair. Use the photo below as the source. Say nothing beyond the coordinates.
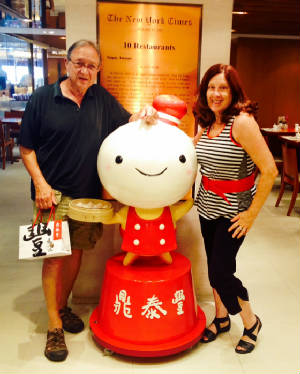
(6, 143)
(15, 129)
(289, 175)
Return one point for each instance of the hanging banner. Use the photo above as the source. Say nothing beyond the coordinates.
(148, 50)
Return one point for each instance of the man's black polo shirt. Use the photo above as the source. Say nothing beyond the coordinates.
(67, 138)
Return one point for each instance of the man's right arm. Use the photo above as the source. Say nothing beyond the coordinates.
(44, 195)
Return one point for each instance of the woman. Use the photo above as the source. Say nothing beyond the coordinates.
(229, 145)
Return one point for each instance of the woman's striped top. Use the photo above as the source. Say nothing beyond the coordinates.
(222, 158)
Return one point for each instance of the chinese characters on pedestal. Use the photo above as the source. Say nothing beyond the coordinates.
(153, 307)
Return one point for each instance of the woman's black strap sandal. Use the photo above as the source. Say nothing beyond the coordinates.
(247, 346)
(210, 335)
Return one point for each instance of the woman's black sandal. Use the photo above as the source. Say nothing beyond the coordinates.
(248, 347)
(210, 335)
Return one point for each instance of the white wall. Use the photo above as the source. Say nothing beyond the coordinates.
(215, 48)
(81, 20)
(216, 32)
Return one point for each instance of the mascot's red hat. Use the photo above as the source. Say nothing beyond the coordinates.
(170, 108)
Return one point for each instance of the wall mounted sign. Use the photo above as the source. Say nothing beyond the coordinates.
(148, 50)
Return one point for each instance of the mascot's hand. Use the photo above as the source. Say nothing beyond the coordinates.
(180, 209)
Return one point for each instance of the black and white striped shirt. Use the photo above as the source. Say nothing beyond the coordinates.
(222, 158)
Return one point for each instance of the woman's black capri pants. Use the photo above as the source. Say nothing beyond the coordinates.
(221, 250)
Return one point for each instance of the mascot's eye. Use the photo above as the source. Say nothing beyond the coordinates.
(182, 158)
(119, 159)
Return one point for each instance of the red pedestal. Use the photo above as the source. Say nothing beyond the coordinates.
(147, 309)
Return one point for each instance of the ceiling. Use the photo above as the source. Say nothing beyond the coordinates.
(267, 17)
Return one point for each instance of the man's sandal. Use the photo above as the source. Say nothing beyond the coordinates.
(247, 346)
(210, 335)
(71, 322)
(56, 349)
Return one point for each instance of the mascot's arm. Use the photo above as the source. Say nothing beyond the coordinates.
(180, 209)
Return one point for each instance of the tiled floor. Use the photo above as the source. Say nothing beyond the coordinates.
(268, 265)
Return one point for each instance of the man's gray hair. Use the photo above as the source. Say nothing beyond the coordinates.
(83, 43)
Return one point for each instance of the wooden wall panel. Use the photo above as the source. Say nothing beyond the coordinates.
(56, 69)
(270, 71)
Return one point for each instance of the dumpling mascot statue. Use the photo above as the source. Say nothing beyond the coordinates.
(149, 168)
(149, 307)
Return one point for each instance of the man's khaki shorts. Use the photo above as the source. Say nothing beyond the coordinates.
(83, 235)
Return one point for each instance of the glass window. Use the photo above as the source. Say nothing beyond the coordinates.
(38, 68)
(15, 11)
(22, 62)
(18, 60)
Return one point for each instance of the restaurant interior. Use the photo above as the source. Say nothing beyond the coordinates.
(265, 49)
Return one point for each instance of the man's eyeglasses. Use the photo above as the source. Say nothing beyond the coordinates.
(81, 65)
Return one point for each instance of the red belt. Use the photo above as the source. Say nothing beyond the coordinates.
(220, 187)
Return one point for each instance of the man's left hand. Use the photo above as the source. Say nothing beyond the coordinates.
(148, 114)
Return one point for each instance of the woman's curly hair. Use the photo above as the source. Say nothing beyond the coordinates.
(204, 116)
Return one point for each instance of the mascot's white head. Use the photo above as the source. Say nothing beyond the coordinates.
(147, 166)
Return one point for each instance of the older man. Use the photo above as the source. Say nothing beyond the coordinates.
(62, 129)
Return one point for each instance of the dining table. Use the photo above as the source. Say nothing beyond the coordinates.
(272, 137)
(277, 131)
(291, 167)
(291, 140)
(13, 121)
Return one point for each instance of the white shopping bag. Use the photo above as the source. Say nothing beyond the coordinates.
(42, 240)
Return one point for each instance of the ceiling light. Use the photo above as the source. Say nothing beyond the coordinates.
(239, 12)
